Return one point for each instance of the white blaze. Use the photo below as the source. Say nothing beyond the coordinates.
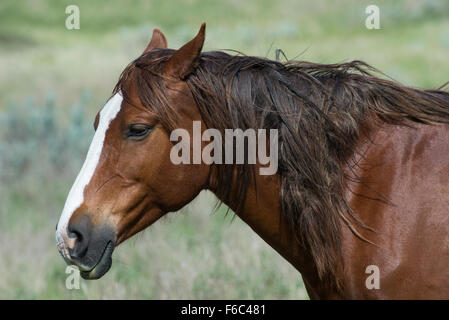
(76, 194)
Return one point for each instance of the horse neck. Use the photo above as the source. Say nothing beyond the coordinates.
(262, 212)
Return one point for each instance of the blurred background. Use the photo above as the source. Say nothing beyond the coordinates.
(53, 81)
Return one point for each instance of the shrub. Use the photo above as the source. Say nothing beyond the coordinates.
(42, 141)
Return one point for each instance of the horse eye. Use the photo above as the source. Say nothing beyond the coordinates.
(137, 131)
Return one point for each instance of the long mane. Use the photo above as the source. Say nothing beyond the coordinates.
(319, 110)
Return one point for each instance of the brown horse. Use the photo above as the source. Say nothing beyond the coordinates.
(359, 203)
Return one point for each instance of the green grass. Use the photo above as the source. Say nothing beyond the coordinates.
(53, 81)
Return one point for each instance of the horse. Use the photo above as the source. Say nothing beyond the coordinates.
(359, 201)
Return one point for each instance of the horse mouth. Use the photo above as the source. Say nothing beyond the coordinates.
(103, 265)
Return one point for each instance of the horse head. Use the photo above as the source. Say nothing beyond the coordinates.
(127, 181)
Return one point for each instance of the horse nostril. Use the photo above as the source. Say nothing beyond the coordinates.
(76, 235)
(79, 234)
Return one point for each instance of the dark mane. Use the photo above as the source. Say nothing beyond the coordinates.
(319, 110)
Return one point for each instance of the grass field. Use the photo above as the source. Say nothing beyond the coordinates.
(52, 82)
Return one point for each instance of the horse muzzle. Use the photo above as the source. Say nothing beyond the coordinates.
(87, 246)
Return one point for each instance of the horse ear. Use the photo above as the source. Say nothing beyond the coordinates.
(184, 61)
(158, 41)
